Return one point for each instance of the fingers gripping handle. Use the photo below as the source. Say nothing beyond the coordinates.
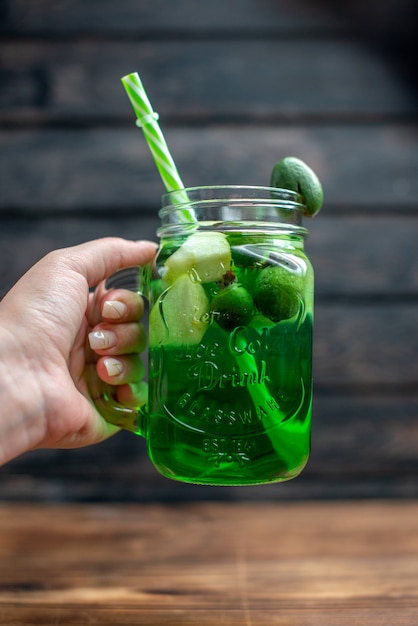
(104, 395)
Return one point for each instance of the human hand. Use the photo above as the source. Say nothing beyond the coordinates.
(45, 320)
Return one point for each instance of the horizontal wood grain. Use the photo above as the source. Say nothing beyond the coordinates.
(129, 16)
(213, 562)
(364, 444)
(371, 167)
(366, 345)
(82, 79)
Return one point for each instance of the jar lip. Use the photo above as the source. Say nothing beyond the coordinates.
(233, 195)
(231, 207)
(234, 191)
(231, 186)
(209, 190)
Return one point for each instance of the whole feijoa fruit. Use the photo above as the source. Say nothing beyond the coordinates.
(232, 307)
(292, 173)
(277, 292)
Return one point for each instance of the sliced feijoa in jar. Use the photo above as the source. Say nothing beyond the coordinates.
(180, 315)
(206, 254)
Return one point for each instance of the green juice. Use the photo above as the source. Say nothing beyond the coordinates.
(230, 359)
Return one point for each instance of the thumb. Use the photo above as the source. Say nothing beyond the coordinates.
(98, 259)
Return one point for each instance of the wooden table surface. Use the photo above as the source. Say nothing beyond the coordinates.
(326, 563)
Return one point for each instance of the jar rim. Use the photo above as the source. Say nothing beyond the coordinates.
(232, 208)
(233, 191)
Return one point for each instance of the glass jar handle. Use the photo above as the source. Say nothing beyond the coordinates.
(103, 394)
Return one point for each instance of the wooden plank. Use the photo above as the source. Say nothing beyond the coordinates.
(148, 540)
(132, 17)
(119, 476)
(16, 615)
(372, 167)
(25, 241)
(363, 446)
(211, 563)
(356, 258)
(194, 80)
(381, 428)
(142, 483)
(363, 255)
(370, 345)
(397, 19)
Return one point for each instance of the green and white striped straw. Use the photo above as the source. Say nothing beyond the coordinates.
(147, 119)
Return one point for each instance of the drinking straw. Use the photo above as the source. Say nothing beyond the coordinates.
(147, 119)
(267, 405)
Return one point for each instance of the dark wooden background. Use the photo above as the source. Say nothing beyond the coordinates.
(239, 84)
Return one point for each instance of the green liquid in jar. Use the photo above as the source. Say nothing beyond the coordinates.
(235, 406)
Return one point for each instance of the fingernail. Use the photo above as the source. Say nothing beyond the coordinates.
(113, 367)
(113, 309)
(102, 339)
